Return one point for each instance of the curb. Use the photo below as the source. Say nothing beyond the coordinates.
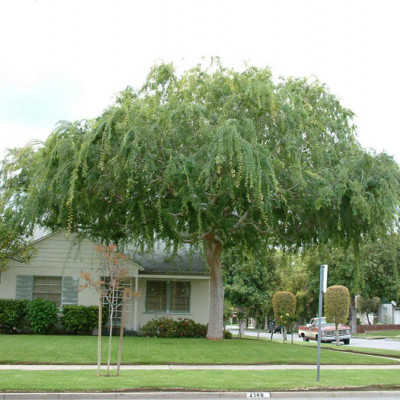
(195, 395)
(176, 367)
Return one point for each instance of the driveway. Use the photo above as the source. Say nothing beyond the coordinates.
(386, 344)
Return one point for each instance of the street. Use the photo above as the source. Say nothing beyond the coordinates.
(386, 344)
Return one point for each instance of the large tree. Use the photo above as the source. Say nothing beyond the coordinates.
(216, 158)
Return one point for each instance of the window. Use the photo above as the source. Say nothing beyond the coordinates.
(156, 296)
(168, 296)
(47, 288)
(179, 296)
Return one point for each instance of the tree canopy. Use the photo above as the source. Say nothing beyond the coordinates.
(216, 158)
(13, 245)
(249, 280)
(15, 240)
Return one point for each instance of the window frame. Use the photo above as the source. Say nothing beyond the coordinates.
(168, 293)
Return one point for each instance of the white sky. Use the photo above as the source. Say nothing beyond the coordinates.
(66, 59)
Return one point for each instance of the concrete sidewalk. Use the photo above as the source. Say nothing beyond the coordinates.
(176, 367)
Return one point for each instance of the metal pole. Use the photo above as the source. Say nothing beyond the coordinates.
(321, 285)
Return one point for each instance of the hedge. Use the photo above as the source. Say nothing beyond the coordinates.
(168, 328)
(12, 314)
(42, 315)
(82, 319)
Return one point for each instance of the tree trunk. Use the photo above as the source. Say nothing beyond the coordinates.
(110, 335)
(292, 334)
(216, 318)
(121, 332)
(242, 326)
(99, 328)
(284, 333)
(337, 334)
(353, 315)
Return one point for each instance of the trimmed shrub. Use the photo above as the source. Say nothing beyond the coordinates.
(228, 335)
(337, 304)
(168, 328)
(12, 314)
(284, 306)
(42, 315)
(82, 319)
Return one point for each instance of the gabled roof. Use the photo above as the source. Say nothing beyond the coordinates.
(160, 263)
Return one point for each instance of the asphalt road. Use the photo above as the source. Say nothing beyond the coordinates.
(386, 344)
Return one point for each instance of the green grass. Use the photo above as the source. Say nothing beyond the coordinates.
(27, 349)
(57, 381)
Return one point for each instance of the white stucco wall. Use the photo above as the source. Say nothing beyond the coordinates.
(56, 256)
(199, 300)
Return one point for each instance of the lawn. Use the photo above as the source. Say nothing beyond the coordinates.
(57, 381)
(27, 349)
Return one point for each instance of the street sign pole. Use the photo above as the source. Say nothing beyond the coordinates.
(323, 278)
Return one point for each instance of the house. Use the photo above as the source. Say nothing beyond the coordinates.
(389, 313)
(175, 287)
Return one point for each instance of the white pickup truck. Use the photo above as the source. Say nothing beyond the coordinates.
(328, 331)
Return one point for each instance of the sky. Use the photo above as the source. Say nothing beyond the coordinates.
(67, 59)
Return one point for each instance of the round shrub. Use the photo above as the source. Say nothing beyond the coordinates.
(42, 315)
(82, 319)
(337, 304)
(12, 314)
(228, 335)
(284, 306)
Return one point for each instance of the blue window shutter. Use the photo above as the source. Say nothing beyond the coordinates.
(69, 291)
(24, 288)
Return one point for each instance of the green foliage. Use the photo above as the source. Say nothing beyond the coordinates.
(367, 306)
(337, 304)
(373, 271)
(293, 277)
(214, 150)
(381, 262)
(168, 328)
(42, 315)
(82, 319)
(12, 314)
(216, 158)
(13, 244)
(14, 235)
(228, 335)
(284, 305)
(249, 280)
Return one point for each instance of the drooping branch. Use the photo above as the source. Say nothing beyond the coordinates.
(240, 222)
(257, 228)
